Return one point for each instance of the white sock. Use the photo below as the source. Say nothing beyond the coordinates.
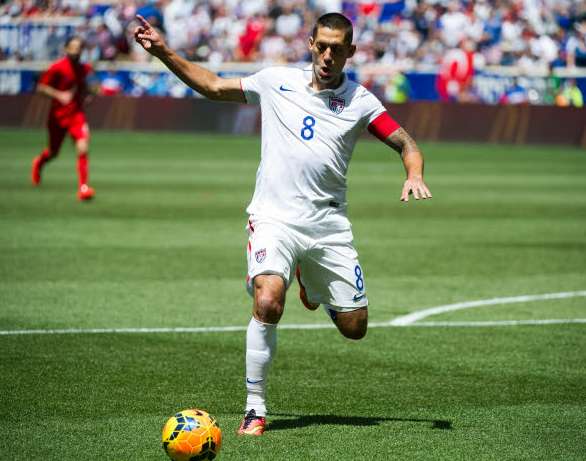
(261, 345)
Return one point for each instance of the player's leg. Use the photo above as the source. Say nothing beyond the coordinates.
(261, 346)
(333, 277)
(352, 324)
(303, 292)
(85, 192)
(269, 298)
(80, 133)
(270, 264)
(56, 135)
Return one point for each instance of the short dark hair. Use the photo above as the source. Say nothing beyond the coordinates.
(335, 21)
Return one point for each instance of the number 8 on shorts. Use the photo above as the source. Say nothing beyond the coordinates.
(359, 279)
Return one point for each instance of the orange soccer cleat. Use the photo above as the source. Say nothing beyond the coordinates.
(303, 294)
(252, 424)
(85, 192)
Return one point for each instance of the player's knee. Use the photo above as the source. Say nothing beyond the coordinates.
(82, 146)
(356, 332)
(269, 298)
(268, 308)
(352, 325)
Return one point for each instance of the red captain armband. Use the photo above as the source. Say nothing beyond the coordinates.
(383, 126)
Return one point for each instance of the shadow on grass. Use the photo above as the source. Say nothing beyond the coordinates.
(318, 420)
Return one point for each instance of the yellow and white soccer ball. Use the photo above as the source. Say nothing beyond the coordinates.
(192, 435)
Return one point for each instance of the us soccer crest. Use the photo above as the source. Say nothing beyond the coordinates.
(337, 104)
(260, 255)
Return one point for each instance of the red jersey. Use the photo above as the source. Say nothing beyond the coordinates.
(64, 75)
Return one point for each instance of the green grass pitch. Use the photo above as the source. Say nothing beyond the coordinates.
(163, 245)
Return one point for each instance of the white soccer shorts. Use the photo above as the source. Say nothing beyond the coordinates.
(329, 265)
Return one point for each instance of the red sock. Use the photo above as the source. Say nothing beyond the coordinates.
(82, 168)
(44, 157)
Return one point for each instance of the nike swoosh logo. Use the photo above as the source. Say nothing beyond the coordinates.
(282, 88)
(250, 381)
(358, 297)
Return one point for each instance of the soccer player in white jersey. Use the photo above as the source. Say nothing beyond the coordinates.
(311, 120)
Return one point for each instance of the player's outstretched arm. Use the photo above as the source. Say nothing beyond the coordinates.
(200, 79)
(413, 162)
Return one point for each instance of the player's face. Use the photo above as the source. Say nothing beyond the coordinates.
(329, 52)
(74, 49)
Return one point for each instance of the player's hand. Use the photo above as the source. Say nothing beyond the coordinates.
(147, 37)
(65, 97)
(415, 186)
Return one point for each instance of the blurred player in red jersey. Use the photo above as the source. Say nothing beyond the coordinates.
(65, 83)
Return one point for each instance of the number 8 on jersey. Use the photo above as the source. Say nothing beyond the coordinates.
(307, 131)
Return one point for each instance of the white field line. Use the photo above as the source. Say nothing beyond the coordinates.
(498, 323)
(410, 319)
(403, 321)
(69, 331)
(85, 331)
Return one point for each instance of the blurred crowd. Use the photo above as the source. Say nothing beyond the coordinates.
(531, 34)
(454, 39)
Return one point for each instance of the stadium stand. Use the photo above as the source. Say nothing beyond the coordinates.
(489, 51)
(531, 34)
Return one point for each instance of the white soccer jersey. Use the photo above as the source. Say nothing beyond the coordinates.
(307, 141)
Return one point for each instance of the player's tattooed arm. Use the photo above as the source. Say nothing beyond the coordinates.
(400, 141)
(412, 158)
(197, 77)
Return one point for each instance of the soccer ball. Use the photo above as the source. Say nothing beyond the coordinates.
(192, 435)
